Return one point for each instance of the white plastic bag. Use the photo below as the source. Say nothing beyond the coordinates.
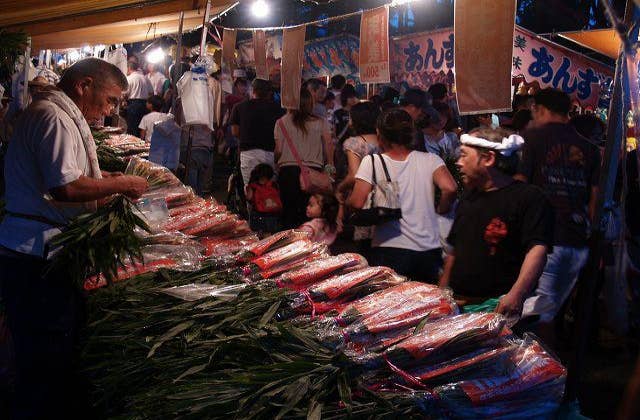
(197, 98)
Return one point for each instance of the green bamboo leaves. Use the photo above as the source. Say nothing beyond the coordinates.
(98, 243)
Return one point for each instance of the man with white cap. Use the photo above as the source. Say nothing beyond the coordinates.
(503, 228)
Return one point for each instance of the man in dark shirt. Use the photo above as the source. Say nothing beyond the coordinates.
(253, 122)
(566, 166)
(502, 230)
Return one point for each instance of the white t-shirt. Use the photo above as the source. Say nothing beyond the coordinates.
(418, 228)
(139, 86)
(46, 152)
(149, 120)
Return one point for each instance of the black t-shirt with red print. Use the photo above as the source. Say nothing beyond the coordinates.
(492, 233)
(566, 166)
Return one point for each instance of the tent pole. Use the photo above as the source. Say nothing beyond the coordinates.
(205, 29)
(177, 64)
(27, 68)
(586, 294)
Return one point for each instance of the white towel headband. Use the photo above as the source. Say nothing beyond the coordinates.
(510, 144)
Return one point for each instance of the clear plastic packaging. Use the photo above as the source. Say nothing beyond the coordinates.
(222, 245)
(157, 176)
(320, 269)
(448, 338)
(174, 195)
(193, 292)
(355, 283)
(275, 241)
(385, 299)
(532, 386)
(171, 238)
(155, 257)
(336, 292)
(154, 211)
(196, 205)
(211, 224)
(405, 315)
(315, 252)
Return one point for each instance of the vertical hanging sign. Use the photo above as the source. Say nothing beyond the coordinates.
(260, 54)
(292, 61)
(228, 50)
(484, 54)
(228, 59)
(374, 46)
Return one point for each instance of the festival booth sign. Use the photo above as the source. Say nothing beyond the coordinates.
(292, 56)
(374, 46)
(420, 60)
(323, 57)
(228, 59)
(483, 56)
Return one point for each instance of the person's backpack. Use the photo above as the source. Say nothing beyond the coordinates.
(266, 198)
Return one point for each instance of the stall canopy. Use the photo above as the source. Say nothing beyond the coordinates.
(66, 24)
(604, 41)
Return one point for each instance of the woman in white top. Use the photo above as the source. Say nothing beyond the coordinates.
(311, 136)
(411, 245)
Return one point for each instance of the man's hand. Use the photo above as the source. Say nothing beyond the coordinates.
(133, 186)
(511, 304)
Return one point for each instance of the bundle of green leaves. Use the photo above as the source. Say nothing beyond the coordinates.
(98, 243)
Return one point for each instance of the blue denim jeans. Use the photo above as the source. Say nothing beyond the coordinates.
(200, 161)
(556, 282)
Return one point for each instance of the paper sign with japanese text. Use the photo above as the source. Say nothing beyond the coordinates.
(292, 62)
(374, 46)
(260, 54)
(228, 50)
(422, 59)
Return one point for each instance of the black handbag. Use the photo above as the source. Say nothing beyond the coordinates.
(384, 202)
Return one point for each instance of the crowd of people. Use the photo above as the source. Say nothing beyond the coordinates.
(493, 206)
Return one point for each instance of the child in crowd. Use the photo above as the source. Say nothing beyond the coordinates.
(155, 104)
(330, 103)
(323, 212)
(264, 198)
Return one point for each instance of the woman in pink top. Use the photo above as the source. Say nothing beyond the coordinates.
(323, 212)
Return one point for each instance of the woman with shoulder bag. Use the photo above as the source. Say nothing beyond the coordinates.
(410, 242)
(364, 143)
(303, 146)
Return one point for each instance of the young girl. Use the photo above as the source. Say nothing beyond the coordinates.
(323, 212)
(263, 195)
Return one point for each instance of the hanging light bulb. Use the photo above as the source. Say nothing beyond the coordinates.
(260, 8)
(155, 56)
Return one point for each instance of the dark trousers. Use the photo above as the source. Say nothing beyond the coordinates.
(44, 313)
(136, 109)
(417, 265)
(294, 201)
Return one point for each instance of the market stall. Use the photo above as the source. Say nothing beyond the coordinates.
(205, 319)
(191, 314)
